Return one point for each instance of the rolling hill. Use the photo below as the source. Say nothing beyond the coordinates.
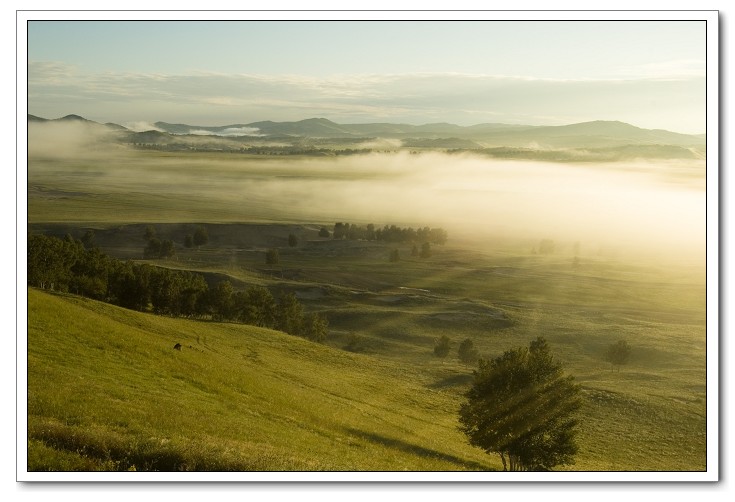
(587, 141)
(107, 391)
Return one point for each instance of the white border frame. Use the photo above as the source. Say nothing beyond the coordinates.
(713, 246)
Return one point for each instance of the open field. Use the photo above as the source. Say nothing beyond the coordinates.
(107, 391)
(374, 397)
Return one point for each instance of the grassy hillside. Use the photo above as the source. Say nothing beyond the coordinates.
(106, 390)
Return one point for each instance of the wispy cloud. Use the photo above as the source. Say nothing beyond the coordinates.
(667, 70)
(650, 100)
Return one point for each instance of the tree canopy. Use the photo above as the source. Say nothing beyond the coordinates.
(272, 257)
(201, 236)
(66, 265)
(522, 407)
(618, 353)
(467, 352)
(442, 346)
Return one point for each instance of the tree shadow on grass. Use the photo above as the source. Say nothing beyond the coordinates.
(417, 450)
(453, 381)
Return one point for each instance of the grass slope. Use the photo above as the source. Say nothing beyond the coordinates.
(107, 391)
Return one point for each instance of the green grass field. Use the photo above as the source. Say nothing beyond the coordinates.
(106, 390)
(650, 415)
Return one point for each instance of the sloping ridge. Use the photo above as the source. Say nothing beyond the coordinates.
(108, 390)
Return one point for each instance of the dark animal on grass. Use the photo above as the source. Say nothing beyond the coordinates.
(177, 346)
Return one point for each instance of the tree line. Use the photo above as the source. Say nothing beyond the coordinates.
(388, 233)
(68, 265)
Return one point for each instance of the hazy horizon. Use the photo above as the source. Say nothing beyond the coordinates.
(651, 74)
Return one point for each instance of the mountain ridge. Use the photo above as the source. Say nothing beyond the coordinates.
(582, 141)
(313, 125)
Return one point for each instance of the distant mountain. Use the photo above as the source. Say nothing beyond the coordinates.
(70, 118)
(448, 143)
(112, 125)
(596, 140)
(74, 118)
(586, 134)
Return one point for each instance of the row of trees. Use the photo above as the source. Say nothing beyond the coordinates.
(425, 252)
(165, 248)
(390, 233)
(66, 265)
(467, 353)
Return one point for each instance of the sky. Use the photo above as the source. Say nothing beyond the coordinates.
(647, 73)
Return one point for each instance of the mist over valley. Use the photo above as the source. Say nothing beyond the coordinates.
(652, 205)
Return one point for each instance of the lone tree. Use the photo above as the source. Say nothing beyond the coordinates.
(546, 246)
(467, 352)
(201, 236)
(271, 257)
(522, 407)
(167, 249)
(150, 232)
(324, 232)
(442, 346)
(618, 353)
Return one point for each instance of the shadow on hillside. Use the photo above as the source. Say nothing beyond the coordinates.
(453, 381)
(416, 450)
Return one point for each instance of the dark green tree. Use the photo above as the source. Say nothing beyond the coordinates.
(523, 407)
(316, 327)
(425, 250)
(271, 257)
(88, 239)
(618, 353)
(167, 249)
(324, 232)
(150, 232)
(258, 307)
(153, 249)
(193, 290)
(220, 301)
(467, 352)
(292, 240)
(201, 236)
(340, 230)
(166, 286)
(290, 315)
(442, 346)
(50, 261)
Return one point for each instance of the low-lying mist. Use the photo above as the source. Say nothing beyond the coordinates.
(640, 207)
(648, 207)
(72, 139)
